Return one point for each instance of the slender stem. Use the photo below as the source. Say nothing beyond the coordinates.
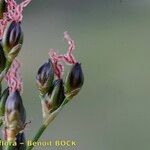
(37, 136)
(45, 124)
(9, 146)
(2, 75)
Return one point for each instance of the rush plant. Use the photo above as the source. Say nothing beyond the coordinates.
(54, 90)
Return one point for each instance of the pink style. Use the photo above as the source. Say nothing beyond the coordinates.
(13, 77)
(13, 13)
(68, 58)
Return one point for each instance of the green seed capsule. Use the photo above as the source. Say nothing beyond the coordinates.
(57, 96)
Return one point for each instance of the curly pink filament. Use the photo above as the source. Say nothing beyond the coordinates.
(13, 78)
(13, 13)
(58, 67)
(3, 23)
(68, 58)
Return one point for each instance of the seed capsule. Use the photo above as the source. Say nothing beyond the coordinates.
(74, 80)
(14, 103)
(13, 36)
(15, 115)
(44, 77)
(57, 96)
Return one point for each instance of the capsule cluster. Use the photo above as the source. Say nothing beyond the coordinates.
(52, 86)
(12, 111)
(55, 90)
(11, 105)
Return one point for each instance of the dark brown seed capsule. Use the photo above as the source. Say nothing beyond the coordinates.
(13, 36)
(14, 104)
(74, 79)
(44, 77)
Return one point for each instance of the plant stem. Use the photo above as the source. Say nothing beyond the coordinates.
(2, 75)
(37, 136)
(47, 121)
(10, 146)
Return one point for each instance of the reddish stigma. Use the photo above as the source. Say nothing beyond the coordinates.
(13, 77)
(68, 58)
(13, 13)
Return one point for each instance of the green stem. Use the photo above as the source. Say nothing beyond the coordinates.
(37, 136)
(2, 75)
(9, 146)
(47, 121)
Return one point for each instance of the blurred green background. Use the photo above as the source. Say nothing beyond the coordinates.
(112, 111)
